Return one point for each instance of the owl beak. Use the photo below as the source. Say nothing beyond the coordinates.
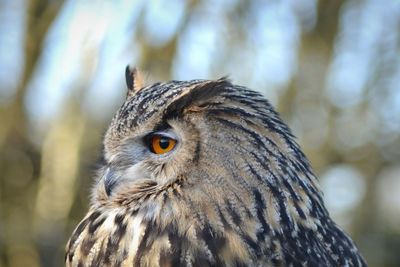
(110, 180)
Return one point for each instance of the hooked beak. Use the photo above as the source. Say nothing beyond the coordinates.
(110, 180)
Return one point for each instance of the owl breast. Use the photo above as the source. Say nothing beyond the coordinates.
(173, 234)
(105, 238)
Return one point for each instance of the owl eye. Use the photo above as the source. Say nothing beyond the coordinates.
(160, 144)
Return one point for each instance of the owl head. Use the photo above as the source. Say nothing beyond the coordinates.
(209, 139)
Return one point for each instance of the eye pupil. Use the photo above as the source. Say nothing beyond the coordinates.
(164, 142)
(159, 144)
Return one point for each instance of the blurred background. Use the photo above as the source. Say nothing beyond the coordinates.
(330, 67)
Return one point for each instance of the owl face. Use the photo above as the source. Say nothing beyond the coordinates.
(154, 138)
(159, 153)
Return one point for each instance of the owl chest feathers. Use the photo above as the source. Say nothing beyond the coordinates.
(175, 229)
(172, 233)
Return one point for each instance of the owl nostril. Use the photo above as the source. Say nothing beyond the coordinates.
(110, 180)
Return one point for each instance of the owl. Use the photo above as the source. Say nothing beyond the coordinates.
(204, 173)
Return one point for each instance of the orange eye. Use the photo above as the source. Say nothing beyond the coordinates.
(161, 144)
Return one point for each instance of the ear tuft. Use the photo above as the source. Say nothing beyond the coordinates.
(134, 80)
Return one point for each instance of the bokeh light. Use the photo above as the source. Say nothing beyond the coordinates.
(344, 189)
